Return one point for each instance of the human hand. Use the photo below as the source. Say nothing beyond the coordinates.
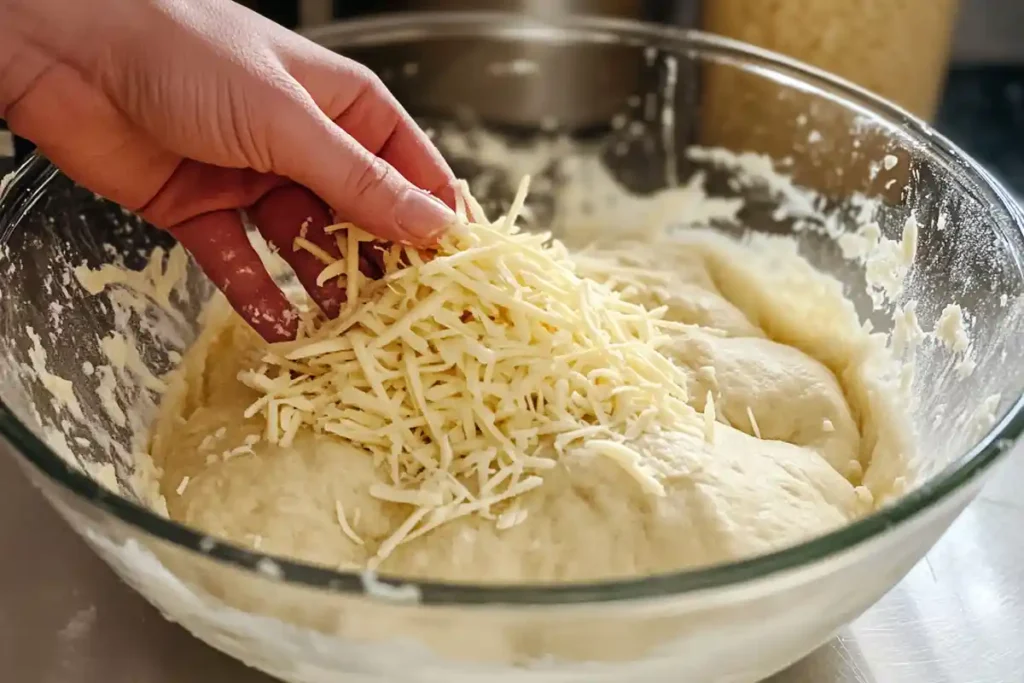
(187, 111)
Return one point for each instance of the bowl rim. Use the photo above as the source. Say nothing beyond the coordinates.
(36, 173)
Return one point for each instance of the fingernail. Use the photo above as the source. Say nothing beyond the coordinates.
(422, 216)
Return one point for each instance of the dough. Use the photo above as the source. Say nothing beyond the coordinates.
(784, 465)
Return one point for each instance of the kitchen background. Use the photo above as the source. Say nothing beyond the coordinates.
(980, 106)
(65, 618)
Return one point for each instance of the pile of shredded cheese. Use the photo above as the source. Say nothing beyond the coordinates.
(466, 373)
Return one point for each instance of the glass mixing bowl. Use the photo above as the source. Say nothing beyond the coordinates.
(633, 99)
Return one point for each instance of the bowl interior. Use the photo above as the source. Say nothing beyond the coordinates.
(588, 111)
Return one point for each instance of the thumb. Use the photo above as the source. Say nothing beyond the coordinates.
(360, 186)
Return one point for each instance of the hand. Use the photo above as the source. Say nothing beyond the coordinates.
(186, 111)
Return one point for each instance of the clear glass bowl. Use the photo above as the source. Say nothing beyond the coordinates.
(635, 97)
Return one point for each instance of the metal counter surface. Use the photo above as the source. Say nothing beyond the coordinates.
(958, 617)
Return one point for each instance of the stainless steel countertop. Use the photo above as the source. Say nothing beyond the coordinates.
(957, 618)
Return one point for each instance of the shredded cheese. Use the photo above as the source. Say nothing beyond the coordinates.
(630, 460)
(466, 373)
(709, 419)
(346, 528)
(753, 422)
(301, 243)
(511, 517)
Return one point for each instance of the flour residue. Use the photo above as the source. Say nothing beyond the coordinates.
(61, 390)
(886, 262)
(163, 274)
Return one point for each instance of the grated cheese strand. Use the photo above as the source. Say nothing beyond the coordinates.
(346, 528)
(301, 243)
(709, 418)
(753, 422)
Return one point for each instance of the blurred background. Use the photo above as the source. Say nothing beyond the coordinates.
(958, 63)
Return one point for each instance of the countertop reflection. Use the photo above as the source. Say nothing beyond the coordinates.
(958, 617)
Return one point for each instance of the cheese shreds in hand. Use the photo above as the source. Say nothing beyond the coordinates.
(463, 374)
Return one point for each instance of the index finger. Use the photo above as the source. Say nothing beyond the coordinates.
(357, 100)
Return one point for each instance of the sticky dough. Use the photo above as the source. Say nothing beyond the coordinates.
(773, 342)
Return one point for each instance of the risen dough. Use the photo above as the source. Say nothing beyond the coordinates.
(736, 497)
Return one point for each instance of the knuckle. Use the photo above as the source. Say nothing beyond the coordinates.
(370, 177)
(370, 90)
(368, 78)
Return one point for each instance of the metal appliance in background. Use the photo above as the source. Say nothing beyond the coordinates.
(900, 50)
(668, 11)
(584, 88)
(987, 31)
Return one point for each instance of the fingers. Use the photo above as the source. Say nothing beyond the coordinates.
(195, 188)
(312, 150)
(358, 101)
(218, 243)
(378, 122)
(291, 211)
